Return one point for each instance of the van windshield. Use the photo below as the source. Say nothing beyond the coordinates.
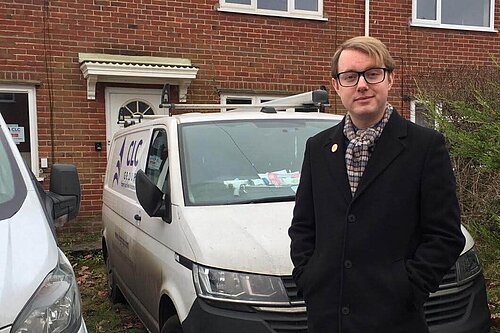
(12, 187)
(244, 161)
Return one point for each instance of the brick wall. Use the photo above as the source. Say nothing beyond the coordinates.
(41, 41)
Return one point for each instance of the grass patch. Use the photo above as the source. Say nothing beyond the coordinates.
(77, 242)
(99, 313)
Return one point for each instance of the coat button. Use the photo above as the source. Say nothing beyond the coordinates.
(347, 264)
(345, 310)
(351, 218)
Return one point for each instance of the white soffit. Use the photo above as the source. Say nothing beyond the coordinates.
(136, 69)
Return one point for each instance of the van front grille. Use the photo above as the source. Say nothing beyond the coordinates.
(292, 319)
(450, 278)
(447, 305)
(294, 322)
(291, 290)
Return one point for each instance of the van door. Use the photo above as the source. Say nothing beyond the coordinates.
(148, 252)
(157, 268)
(120, 203)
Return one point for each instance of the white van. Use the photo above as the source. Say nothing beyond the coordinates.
(196, 211)
(38, 289)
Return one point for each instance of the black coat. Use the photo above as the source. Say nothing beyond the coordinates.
(365, 264)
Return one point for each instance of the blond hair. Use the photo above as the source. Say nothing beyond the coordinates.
(368, 45)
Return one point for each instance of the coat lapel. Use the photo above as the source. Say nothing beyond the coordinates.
(388, 147)
(335, 160)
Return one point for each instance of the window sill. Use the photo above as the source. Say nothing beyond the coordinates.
(272, 13)
(453, 27)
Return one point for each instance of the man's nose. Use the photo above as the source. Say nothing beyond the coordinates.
(362, 84)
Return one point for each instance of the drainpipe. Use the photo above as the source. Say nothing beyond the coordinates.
(367, 17)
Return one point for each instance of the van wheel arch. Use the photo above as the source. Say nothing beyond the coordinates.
(172, 325)
(169, 321)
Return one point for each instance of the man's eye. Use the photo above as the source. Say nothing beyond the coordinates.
(373, 73)
(350, 76)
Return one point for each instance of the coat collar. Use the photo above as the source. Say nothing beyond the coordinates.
(388, 147)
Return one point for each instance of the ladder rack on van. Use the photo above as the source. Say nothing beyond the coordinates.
(316, 99)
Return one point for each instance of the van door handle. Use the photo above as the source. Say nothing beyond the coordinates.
(137, 217)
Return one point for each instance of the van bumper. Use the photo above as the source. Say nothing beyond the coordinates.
(210, 318)
(207, 318)
(477, 315)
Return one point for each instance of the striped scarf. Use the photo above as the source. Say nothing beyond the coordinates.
(361, 143)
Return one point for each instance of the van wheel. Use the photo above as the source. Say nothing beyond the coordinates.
(172, 325)
(114, 293)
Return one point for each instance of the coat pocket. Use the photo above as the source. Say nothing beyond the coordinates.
(309, 272)
(415, 297)
(401, 284)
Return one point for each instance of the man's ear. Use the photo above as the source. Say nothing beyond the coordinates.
(390, 78)
(335, 85)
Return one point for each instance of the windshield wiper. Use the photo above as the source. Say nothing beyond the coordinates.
(264, 200)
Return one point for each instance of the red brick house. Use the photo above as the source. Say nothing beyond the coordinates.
(67, 67)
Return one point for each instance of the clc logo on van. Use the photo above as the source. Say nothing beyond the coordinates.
(131, 162)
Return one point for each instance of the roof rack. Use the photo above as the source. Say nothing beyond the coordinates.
(316, 100)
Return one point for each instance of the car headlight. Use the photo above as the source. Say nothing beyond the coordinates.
(468, 266)
(229, 286)
(55, 306)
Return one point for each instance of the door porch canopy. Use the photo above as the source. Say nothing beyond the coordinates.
(136, 69)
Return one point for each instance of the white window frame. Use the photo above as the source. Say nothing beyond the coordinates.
(31, 91)
(225, 6)
(429, 23)
(413, 111)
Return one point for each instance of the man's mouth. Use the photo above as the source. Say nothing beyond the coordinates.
(362, 98)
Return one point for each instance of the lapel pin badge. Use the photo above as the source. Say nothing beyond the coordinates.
(335, 147)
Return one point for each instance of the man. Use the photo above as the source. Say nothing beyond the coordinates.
(376, 223)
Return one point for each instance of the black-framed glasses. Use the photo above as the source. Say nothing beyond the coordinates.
(351, 78)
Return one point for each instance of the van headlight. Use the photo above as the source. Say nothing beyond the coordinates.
(55, 306)
(229, 286)
(468, 266)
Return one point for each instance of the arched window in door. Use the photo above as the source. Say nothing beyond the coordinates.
(135, 109)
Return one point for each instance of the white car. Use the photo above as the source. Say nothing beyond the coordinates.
(38, 290)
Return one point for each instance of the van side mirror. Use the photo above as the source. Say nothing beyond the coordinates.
(64, 192)
(151, 197)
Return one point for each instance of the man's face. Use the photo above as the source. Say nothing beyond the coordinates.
(365, 102)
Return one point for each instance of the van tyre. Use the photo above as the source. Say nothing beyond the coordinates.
(172, 325)
(114, 293)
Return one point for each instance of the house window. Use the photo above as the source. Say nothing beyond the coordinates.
(135, 109)
(18, 108)
(421, 116)
(305, 9)
(454, 14)
(7, 97)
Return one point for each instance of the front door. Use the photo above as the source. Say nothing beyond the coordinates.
(133, 101)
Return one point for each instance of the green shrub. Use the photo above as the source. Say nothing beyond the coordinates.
(464, 104)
